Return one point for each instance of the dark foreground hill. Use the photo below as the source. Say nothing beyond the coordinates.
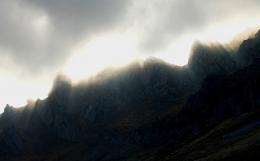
(207, 110)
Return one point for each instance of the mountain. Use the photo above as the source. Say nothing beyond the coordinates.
(221, 122)
(211, 59)
(206, 110)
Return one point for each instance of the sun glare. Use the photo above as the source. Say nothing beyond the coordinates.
(102, 52)
(225, 32)
(18, 92)
(93, 56)
(177, 52)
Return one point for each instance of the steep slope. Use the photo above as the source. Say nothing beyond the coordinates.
(249, 50)
(110, 114)
(220, 122)
(211, 59)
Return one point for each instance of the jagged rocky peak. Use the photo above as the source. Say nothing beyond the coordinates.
(9, 112)
(211, 59)
(257, 35)
(62, 84)
(8, 108)
(61, 80)
(61, 91)
(249, 50)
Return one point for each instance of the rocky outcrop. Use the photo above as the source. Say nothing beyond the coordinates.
(222, 97)
(211, 59)
(249, 50)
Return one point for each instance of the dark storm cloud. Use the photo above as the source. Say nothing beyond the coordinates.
(68, 22)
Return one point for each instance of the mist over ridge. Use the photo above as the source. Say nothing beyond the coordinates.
(148, 110)
(213, 50)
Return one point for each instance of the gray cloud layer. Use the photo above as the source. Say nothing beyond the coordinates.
(68, 22)
(158, 22)
(77, 17)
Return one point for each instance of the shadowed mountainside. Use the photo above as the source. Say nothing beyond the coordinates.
(206, 110)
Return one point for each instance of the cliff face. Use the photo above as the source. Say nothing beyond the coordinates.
(249, 50)
(211, 59)
(221, 122)
(147, 111)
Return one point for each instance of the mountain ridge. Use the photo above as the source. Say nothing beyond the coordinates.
(135, 110)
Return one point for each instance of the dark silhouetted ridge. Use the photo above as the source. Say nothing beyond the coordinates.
(151, 111)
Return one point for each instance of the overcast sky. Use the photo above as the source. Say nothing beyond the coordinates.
(40, 38)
